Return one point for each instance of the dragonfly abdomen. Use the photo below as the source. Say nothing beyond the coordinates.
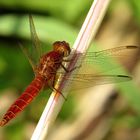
(27, 96)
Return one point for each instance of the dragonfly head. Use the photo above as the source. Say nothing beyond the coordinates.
(62, 47)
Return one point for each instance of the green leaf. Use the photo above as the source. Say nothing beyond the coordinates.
(48, 29)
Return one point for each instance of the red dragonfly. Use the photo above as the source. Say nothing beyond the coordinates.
(46, 68)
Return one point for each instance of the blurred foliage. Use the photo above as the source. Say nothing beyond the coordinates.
(135, 5)
(54, 20)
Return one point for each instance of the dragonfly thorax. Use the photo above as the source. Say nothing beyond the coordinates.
(49, 64)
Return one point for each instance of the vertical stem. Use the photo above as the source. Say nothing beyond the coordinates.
(91, 25)
(86, 34)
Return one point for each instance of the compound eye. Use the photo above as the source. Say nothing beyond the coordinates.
(62, 47)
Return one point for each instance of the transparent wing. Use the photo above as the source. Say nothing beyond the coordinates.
(104, 59)
(80, 81)
(84, 79)
(28, 56)
(32, 52)
(35, 40)
(121, 51)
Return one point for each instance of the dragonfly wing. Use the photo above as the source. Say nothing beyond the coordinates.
(32, 52)
(89, 79)
(116, 52)
(81, 81)
(28, 56)
(121, 51)
(102, 60)
(35, 40)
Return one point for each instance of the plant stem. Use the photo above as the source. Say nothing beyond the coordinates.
(83, 41)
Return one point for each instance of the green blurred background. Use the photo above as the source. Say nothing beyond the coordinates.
(54, 20)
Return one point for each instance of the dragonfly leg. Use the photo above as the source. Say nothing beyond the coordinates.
(70, 69)
(52, 86)
(54, 89)
(59, 92)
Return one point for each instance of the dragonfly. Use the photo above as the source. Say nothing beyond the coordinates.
(46, 68)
